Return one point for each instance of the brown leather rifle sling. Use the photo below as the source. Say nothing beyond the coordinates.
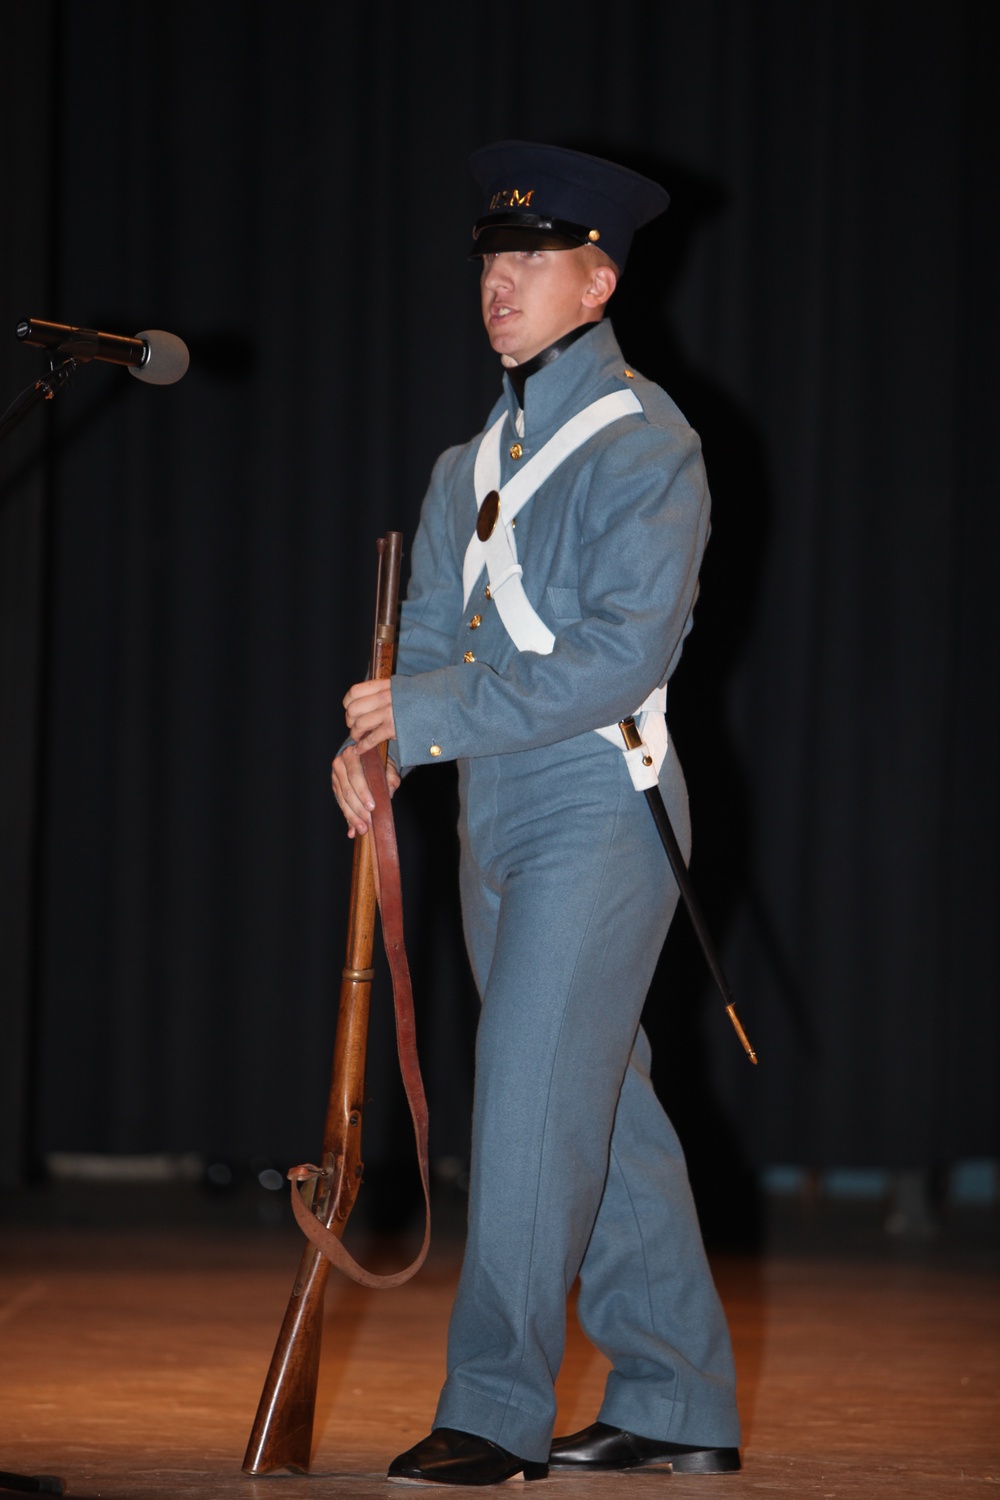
(385, 869)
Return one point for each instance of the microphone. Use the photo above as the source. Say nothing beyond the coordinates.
(157, 357)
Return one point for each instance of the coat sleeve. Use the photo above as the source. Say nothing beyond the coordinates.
(643, 528)
(433, 602)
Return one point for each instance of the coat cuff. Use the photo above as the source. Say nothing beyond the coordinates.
(423, 708)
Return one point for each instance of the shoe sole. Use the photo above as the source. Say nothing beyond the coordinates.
(683, 1464)
(517, 1478)
(694, 1464)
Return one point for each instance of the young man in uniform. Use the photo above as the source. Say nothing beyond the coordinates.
(521, 649)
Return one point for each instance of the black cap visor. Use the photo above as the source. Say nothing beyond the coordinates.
(515, 231)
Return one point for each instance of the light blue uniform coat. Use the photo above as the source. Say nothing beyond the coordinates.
(567, 898)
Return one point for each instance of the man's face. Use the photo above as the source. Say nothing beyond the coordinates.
(532, 297)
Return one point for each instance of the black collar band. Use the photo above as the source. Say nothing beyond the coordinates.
(519, 375)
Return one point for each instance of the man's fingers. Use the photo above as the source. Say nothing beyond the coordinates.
(352, 791)
(370, 738)
(367, 698)
(369, 729)
(368, 712)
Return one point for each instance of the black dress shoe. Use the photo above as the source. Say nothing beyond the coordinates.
(452, 1457)
(602, 1447)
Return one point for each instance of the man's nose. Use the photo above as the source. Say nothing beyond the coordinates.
(496, 270)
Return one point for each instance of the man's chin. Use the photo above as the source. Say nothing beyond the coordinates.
(511, 352)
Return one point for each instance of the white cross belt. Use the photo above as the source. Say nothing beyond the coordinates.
(498, 553)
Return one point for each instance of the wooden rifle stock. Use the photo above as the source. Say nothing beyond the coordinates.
(281, 1437)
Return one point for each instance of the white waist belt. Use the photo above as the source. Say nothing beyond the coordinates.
(498, 553)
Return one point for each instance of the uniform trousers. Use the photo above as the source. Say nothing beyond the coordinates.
(576, 1170)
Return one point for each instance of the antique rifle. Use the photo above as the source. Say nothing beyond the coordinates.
(323, 1195)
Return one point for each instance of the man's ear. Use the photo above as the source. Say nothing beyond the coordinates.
(603, 280)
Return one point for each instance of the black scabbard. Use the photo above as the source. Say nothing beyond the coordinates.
(668, 838)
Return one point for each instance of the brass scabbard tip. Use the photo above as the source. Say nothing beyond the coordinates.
(731, 1013)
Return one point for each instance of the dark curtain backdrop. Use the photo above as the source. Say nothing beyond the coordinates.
(187, 572)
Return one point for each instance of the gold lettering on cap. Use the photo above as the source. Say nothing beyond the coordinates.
(511, 198)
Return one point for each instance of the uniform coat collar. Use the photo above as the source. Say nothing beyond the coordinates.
(552, 391)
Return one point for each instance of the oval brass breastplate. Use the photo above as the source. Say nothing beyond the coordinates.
(487, 519)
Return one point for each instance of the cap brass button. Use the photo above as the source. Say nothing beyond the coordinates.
(435, 749)
(516, 450)
(468, 656)
(475, 622)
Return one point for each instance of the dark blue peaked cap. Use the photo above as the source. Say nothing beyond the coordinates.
(551, 198)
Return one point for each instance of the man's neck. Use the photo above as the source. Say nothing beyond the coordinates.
(518, 375)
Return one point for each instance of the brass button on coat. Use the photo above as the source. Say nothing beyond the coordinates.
(475, 622)
(468, 656)
(435, 749)
(516, 450)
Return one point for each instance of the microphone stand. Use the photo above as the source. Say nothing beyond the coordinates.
(42, 390)
(17, 411)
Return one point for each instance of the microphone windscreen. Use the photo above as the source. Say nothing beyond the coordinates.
(167, 360)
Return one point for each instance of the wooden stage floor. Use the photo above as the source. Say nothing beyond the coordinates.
(132, 1356)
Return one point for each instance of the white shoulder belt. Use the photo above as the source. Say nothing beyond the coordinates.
(498, 554)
